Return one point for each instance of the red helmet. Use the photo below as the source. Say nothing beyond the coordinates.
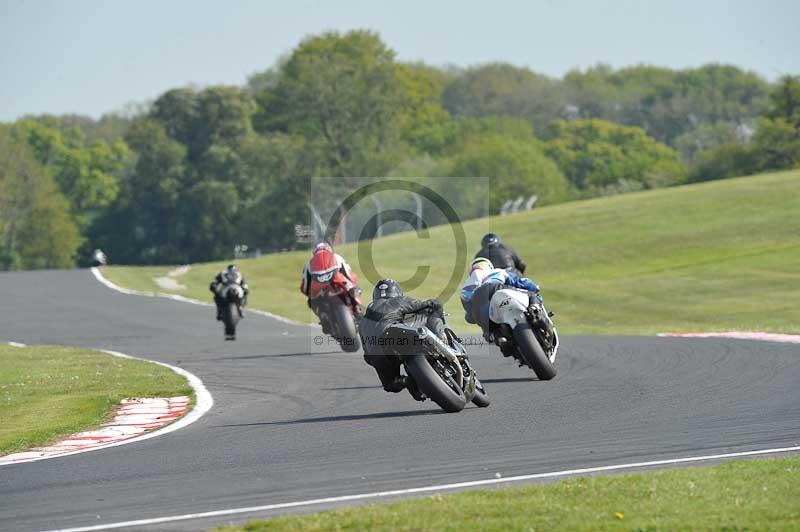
(323, 264)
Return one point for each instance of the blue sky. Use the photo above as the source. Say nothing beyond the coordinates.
(93, 56)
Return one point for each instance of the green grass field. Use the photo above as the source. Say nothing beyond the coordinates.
(723, 255)
(47, 392)
(741, 495)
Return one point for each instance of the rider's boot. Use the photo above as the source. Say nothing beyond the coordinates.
(505, 346)
(413, 390)
(397, 385)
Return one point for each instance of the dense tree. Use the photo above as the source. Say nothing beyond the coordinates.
(777, 139)
(87, 174)
(199, 174)
(500, 89)
(514, 167)
(339, 92)
(599, 156)
(421, 115)
(785, 102)
(36, 230)
(667, 103)
(774, 146)
(728, 160)
(708, 137)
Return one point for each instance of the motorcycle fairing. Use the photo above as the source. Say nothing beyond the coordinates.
(508, 305)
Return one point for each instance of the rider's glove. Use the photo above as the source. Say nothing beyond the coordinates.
(434, 304)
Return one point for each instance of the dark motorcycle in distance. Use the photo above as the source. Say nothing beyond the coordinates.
(338, 306)
(232, 295)
(440, 370)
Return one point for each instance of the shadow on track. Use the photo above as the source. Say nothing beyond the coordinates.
(365, 387)
(305, 354)
(350, 417)
(509, 379)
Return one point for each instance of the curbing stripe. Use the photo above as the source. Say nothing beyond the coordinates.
(126, 424)
(424, 489)
(203, 398)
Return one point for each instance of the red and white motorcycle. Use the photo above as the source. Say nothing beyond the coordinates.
(336, 300)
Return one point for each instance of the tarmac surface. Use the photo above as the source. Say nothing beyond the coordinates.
(294, 420)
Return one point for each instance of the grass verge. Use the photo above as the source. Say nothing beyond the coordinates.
(47, 392)
(723, 255)
(741, 495)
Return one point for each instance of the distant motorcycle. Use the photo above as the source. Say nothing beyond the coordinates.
(523, 329)
(232, 295)
(441, 370)
(98, 258)
(338, 306)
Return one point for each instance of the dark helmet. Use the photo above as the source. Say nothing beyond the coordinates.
(232, 274)
(489, 239)
(386, 288)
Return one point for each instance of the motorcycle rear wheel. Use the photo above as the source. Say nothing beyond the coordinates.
(533, 353)
(345, 328)
(448, 395)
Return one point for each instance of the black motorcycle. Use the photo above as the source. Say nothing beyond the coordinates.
(232, 295)
(440, 370)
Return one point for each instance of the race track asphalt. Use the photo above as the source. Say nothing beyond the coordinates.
(295, 421)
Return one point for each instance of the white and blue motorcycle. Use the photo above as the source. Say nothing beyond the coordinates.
(522, 328)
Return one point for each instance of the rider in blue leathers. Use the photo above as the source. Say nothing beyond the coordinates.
(483, 282)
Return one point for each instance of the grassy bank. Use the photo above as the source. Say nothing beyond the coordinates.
(722, 255)
(742, 495)
(47, 392)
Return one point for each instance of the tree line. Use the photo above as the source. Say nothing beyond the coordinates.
(186, 177)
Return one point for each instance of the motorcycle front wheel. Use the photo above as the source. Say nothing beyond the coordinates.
(231, 318)
(480, 399)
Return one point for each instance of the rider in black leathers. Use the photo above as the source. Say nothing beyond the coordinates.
(229, 274)
(390, 306)
(501, 255)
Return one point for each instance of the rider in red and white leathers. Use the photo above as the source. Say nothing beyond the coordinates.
(327, 274)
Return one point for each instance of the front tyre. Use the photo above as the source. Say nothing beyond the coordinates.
(231, 318)
(345, 328)
(480, 399)
(533, 353)
(448, 395)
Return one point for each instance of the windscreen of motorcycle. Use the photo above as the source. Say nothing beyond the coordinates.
(508, 305)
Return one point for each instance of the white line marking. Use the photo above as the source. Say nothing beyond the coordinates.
(424, 489)
(175, 297)
(16, 344)
(203, 403)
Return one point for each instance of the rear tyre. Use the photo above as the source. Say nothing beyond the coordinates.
(345, 328)
(448, 395)
(533, 353)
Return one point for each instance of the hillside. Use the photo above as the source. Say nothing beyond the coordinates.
(722, 255)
